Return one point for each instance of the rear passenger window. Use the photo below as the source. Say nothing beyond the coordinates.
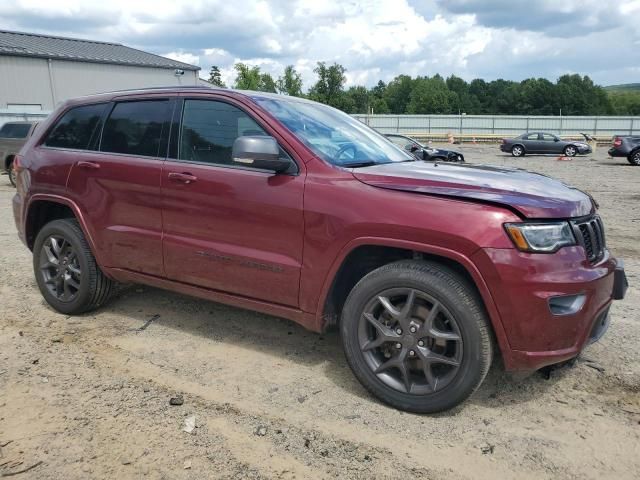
(75, 128)
(209, 129)
(135, 128)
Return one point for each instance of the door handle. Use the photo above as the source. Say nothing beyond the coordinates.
(88, 165)
(182, 177)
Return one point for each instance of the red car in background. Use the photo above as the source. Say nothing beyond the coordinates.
(292, 208)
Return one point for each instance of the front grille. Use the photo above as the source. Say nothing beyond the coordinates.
(590, 234)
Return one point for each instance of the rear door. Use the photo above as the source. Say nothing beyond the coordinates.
(531, 143)
(228, 228)
(117, 183)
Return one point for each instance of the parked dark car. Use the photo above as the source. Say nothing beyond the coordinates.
(13, 135)
(295, 209)
(423, 152)
(626, 146)
(543, 143)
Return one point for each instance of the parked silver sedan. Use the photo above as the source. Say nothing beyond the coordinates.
(543, 143)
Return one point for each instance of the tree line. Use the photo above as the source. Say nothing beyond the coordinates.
(569, 95)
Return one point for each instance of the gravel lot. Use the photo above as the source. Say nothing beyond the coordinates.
(88, 397)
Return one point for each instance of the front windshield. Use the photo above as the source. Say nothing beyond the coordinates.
(331, 134)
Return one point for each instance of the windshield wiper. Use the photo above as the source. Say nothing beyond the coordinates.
(360, 164)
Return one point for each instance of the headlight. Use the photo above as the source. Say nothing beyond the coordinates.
(540, 237)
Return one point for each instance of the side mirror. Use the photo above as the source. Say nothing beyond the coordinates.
(259, 152)
(556, 139)
(413, 148)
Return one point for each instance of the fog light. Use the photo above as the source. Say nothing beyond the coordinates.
(566, 304)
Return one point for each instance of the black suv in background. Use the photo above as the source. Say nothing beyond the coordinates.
(626, 147)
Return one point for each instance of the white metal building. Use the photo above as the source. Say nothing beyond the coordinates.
(38, 71)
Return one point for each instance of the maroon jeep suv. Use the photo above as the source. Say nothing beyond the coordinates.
(292, 208)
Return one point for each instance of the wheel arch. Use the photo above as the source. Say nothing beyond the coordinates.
(42, 209)
(364, 255)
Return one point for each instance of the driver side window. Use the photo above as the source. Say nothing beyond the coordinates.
(209, 129)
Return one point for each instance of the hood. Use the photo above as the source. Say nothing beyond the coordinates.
(532, 194)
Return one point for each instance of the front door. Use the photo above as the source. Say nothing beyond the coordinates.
(237, 230)
(117, 184)
(549, 143)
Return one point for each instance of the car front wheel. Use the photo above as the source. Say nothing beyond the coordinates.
(517, 151)
(570, 151)
(66, 270)
(416, 336)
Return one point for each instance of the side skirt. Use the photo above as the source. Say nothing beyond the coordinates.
(307, 320)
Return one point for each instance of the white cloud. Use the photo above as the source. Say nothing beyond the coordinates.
(373, 39)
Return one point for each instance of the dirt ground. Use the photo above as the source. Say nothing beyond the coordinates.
(88, 397)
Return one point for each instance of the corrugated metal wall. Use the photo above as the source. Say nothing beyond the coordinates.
(37, 81)
(501, 124)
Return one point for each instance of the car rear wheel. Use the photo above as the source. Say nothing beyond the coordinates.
(634, 158)
(517, 151)
(416, 336)
(570, 151)
(66, 270)
(12, 173)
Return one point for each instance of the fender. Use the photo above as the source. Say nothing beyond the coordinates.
(466, 262)
(76, 211)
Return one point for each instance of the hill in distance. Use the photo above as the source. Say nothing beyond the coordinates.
(625, 87)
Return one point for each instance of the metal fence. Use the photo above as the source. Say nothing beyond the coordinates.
(501, 124)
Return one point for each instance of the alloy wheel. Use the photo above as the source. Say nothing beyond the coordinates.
(60, 268)
(635, 158)
(570, 151)
(410, 341)
(516, 151)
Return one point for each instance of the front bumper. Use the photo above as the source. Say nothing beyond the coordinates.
(584, 150)
(522, 285)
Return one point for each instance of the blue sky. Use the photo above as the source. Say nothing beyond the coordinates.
(511, 39)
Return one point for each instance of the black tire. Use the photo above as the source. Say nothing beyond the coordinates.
(11, 173)
(517, 151)
(570, 151)
(453, 294)
(90, 288)
(634, 158)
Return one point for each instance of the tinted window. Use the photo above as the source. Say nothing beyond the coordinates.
(135, 128)
(547, 137)
(15, 130)
(209, 129)
(75, 128)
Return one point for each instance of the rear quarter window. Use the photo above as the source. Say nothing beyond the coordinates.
(76, 127)
(15, 130)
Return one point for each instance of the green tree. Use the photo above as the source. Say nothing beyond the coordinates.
(329, 88)
(398, 93)
(267, 84)
(248, 78)
(430, 95)
(215, 77)
(359, 99)
(290, 83)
